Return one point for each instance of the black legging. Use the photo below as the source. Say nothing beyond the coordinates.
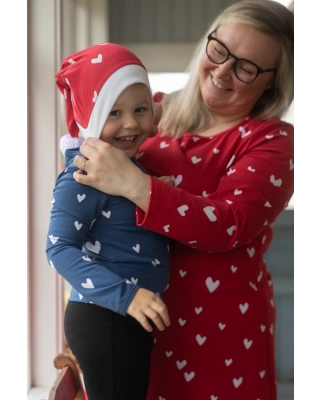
(113, 352)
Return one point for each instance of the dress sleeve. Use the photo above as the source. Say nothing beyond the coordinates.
(74, 210)
(255, 188)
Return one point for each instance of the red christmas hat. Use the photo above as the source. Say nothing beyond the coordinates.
(91, 80)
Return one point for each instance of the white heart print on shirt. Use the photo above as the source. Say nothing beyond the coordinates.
(95, 248)
(88, 284)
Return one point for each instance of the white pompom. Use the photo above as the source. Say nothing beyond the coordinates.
(69, 142)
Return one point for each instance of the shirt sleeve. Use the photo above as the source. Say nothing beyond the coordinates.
(255, 188)
(74, 210)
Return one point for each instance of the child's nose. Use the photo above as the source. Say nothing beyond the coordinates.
(130, 122)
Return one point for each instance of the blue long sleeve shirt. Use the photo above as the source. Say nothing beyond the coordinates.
(94, 243)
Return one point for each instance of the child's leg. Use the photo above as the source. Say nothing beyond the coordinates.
(113, 352)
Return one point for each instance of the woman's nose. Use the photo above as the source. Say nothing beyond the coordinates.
(225, 69)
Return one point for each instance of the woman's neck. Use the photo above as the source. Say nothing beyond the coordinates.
(220, 124)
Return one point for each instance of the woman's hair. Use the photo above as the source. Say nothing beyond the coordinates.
(185, 110)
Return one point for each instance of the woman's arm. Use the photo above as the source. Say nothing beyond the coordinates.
(243, 205)
(111, 171)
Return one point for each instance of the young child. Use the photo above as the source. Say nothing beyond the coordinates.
(117, 270)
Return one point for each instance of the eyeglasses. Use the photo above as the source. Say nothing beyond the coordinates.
(246, 71)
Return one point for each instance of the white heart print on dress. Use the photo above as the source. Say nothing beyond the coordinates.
(209, 213)
(212, 286)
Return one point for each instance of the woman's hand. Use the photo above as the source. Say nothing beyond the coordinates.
(145, 304)
(111, 171)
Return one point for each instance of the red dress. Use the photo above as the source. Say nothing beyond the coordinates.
(229, 190)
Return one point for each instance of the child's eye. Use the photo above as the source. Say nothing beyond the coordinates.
(140, 109)
(114, 113)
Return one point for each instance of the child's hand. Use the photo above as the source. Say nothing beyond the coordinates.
(166, 179)
(145, 304)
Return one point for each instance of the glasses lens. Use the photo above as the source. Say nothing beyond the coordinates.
(245, 71)
(217, 52)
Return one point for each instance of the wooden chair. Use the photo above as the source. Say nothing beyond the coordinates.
(68, 385)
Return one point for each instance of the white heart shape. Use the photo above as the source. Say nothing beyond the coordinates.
(205, 194)
(244, 133)
(88, 284)
(253, 286)
(78, 225)
(182, 273)
(169, 353)
(251, 252)
(134, 280)
(181, 321)
(155, 262)
(136, 248)
(212, 397)
(183, 209)
(231, 171)
(233, 268)
(176, 180)
(262, 373)
(291, 165)
(212, 286)
(263, 328)
(97, 60)
(95, 248)
(237, 382)
(209, 213)
(244, 307)
(275, 182)
(216, 151)
(247, 343)
(163, 145)
(106, 214)
(189, 376)
(195, 159)
(269, 137)
(53, 239)
(166, 228)
(81, 197)
(251, 169)
(198, 310)
(181, 364)
(200, 339)
(231, 230)
(237, 192)
(51, 265)
(228, 362)
(221, 326)
(86, 258)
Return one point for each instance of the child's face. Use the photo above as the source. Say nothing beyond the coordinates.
(130, 121)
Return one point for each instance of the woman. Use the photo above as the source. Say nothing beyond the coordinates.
(231, 159)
